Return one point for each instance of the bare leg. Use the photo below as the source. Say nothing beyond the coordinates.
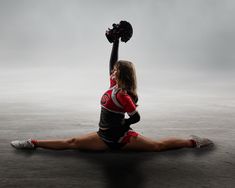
(174, 143)
(89, 141)
(141, 143)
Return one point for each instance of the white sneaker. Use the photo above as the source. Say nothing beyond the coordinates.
(201, 142)
(23, 144)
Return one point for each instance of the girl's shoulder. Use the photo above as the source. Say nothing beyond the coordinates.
(122, 92)
(123, 95)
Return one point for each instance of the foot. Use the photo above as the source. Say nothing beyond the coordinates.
(23, 144)
(201, 142)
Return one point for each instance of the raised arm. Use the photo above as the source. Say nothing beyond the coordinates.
(114, 55)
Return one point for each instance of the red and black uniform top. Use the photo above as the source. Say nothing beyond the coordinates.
(114, 104)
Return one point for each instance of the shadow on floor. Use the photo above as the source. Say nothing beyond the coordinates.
(120, 169)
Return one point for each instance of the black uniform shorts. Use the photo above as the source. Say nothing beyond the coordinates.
(116, 138)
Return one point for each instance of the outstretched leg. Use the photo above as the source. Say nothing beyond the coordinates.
(141, 143)
(89, 141)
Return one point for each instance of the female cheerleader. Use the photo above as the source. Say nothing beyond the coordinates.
(114, 129)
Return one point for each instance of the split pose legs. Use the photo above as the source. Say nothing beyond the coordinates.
(92, 142)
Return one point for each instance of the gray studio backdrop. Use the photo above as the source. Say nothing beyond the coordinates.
(54, 54)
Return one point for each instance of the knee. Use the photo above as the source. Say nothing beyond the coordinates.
(159, 146)
(74, 142)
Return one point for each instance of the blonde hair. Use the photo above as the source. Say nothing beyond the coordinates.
(126, 78)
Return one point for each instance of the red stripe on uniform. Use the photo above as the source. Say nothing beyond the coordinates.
(126, 138)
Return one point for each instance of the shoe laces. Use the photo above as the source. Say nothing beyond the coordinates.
(27, 143)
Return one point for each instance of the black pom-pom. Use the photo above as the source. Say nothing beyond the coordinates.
(125, 30)
(122, 30)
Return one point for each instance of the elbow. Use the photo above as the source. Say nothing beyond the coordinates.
(133, 119)
(138, 118)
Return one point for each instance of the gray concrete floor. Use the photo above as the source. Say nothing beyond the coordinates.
(209, 167)
(31, 111)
